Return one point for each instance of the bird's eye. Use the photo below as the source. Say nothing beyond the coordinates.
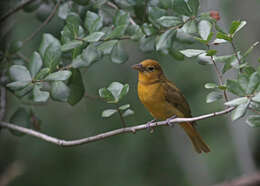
(151, 68)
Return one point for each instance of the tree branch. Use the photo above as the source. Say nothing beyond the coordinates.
(2, 97)
(236, 54)
(219, 76)
(251, 180)
(69, 143)
(15, 9)
(47, 20)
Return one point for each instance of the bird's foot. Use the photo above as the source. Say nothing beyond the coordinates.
(169, 120)
(148, 126)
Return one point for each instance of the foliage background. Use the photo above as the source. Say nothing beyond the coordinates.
(165, 157)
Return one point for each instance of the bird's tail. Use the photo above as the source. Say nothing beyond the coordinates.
(196, 139)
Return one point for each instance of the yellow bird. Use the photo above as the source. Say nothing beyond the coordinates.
(164, 100)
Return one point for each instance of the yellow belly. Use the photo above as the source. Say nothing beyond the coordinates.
(153, 98)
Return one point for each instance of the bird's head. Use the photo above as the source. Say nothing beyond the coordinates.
(149, 71)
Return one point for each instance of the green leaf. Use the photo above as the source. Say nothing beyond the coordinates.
(118, 90)
(93, 22)
(240, 111)
(194, 6)
(52, 56)
(76, 87)
(94, 37)
(224, 36)
(253, 121)
(71, 45)
(128, 112)
(211, 52)
(117, 32)
(58, 76)
(121, 18)
(118, 54)
(90, 55)
(38, 95)
(243, 80)
(64, 10)
(165, 40)
(47, 40)
(169, 21)
(135, 32)
(35, 64)
(250, 49)
(234, 87)
(147, 44)
(189, 27)
(42, 74)
(59, 91)
(256, 98)
(20, 118)
(237, 101)
(19, 73)
(109, 112)
(182, 7)
(106, 94)
(73, 23)
(17, 85)
(176, 54)
(155, 13)
(123, 107)
(210, 85)
(213, 96)
(219, 41)
(24, 91)
(236, 26)
(228, 60)
(107, 46)
(148, 29)
(254, 81)
(192, 52)
(204, 29)
(124, 91)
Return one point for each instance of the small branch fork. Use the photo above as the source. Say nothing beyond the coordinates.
(69, 143)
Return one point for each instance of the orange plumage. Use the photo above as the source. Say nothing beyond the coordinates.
(164, 100)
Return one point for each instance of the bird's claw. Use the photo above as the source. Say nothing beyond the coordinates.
(148, 126)
(169, 120)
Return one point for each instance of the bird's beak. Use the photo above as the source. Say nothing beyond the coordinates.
(138, 67)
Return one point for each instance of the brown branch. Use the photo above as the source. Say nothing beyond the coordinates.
(112, 5)
(250, 180)
(69, 143)
(2, 96)
(121, 117)
(15, 9)
(236, 54)
(47, 20)
(219, 76)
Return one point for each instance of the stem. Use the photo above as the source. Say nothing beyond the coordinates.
(121, 117)
(236, 54)
(101, 136)
(15, 9)
(43, 24)
(219, 76)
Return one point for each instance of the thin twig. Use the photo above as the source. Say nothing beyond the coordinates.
(44, 23)
(121, 117)
(15, 9)
(2, 97)
(69, 143)
(23, 57)
(112, 5)
(236, 54)
(219, 76)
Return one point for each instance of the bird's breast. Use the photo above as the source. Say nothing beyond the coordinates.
(153, 98)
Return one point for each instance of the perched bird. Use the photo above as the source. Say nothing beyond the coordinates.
(164, 100)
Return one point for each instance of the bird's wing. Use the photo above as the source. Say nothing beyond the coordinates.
(175, 97)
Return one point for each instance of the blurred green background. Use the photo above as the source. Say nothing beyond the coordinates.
(165, 157)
